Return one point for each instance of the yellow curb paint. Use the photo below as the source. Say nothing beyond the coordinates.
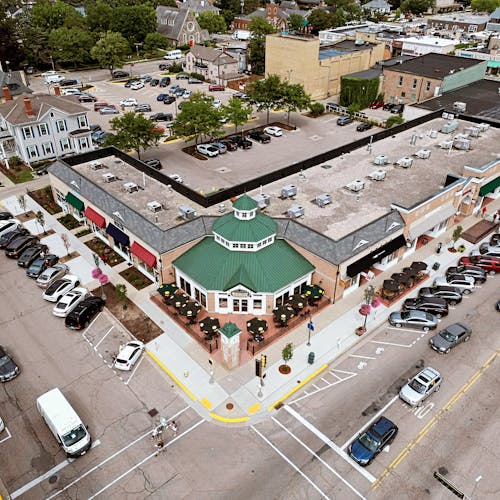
(229, 420)
(206, 403)
(171, 375)
(297, 387)
(253, 408)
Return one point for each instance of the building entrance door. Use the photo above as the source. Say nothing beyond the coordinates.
(240, 306)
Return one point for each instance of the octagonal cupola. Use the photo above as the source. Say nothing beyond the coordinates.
(245, 208)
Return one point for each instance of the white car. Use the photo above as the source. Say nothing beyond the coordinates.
(421, 386)
(137, 85)
(60, 287)
(217, 103)
(49, 73)
(275, 131)
(176, 177)
(71, 92)
(128, 355)
(464, 283)
(131, 101)
(2, 425)
(187, 94)
(207, 150)
(69, 301)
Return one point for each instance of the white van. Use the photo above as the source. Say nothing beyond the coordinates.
(64, 423)
(54, 78)
(173, 54)
(9, 225)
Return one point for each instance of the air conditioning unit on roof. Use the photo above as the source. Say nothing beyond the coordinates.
(323, 199)
(405, 162)
(295, 211)
(423, 154)
(109, 177)
(187, 213)
(95, 165)
(130, 187)
(381, 160)
(154, 206)
(288, 191)
(356, 185)
(378, 175)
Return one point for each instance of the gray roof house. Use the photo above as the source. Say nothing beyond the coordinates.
(179, 26)
(380, 6)
(215, 65)
(199, 6)
(494, 23)
(15, 83)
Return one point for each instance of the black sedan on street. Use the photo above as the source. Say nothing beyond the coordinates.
(31, 254)
(8, 368)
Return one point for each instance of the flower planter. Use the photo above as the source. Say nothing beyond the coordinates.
(360, 330)
(284, 369)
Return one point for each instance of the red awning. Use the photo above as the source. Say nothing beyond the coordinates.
(96, 218)
(143, 254)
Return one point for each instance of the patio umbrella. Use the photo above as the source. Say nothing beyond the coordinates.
(391, 285)
(190, 309)
(297, 302)
(419, 266)
(209, 325)
(410, 272)
(256, 326)
(167, 289)
(400, 278)
(313, 292)
(283, 313)
(179, 300)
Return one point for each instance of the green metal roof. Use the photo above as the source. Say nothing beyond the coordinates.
(217, 268)
(230, 330)
(244, 202)
(255, 229)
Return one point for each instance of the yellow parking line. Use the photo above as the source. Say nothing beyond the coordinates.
(171, 375)
(235, 420)
(255, 407)
(206, 403)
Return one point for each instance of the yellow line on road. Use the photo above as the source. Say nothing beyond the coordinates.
(235, 420)
(171, 375)
(255, 407)
(297, 387)
(206, 403)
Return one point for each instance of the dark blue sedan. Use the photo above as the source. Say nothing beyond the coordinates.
(161, 97)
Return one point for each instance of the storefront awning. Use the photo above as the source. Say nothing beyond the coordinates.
(490, 186)
(96, 218)
(74, 201)
(376, 256)
(143, 254)
(433, 219)
(118, 235)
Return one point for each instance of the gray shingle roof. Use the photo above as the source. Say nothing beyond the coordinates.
(198, 6)
(14, 82)
(215, 56)
(175, 16)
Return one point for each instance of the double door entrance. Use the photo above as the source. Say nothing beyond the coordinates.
(240, 305)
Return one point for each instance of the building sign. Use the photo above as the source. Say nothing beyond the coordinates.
(240, 293)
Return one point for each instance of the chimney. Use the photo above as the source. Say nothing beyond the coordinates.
(57, 90)
(6, 93)
(28, 106)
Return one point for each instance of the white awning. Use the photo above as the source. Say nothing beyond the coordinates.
(433, 219)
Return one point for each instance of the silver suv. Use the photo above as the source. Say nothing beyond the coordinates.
(461, 281)
(421, 386)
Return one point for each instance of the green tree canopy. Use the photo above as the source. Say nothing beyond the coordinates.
(296, 22)
(294, 98)
(110, 50)
(70, 45)
(484, 5)
(134, 22)
(237, 112)
(134, 131)
(417, 6)
(99, 16)
(155, 41)
(257, 44)
(35, 41)
(267, 93)
(212, 22)
(10, 49)
(50, 16)
(319, 19)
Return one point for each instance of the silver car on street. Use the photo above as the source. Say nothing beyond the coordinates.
(421, 386)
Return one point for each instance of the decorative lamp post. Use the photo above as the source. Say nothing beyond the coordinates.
(103, 279)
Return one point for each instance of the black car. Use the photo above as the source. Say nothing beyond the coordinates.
(39, 265)
(8, 237)
(388, 106)
(8, 368)
(153, 163)
(31, 254)
(87, 98)
(230, 145)
(163, 66)
(17, 246)
(495, 240)
(67, 82)
(398, 109)
(154, 82)
(364, 126)
(120, 74)
(476, 272)
(240, 141)
(165, 81)
(451, 294)
(5, 215)
(260, 136)
(169, 99)
(84, 313)
(95, 128)
(162, 117)
(434, 305)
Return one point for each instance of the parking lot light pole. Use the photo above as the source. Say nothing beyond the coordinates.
(478, 478)
(212, 371)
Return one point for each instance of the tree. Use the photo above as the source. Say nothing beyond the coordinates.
(319, 19)
(155, 41)
(257, 44)
(40, 218)
(417, 6)
(294, 98)
(110, 50)
(65, 242)
(287, 353)
(456, 235)
(99, 16)
(237, 112)
(121, 295)
(484, 5)
(134, 22)
(267, 93)
(34, 40)
(296, 22)
(134, 131)
(394, 120)
(70, 45)
(50, 16)
(212, 22)
(198, 117)
(21, 200)
(10, 48)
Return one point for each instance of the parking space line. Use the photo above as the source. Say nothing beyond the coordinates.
(9, 435)
(396, 329)
(286, 459)
(105, 335)
(362, 357)
(135, 369)
(390, 343)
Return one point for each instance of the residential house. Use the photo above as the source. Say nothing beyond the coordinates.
(494, 21)
(216, 65)
(15, 84)
(179, 26)
(43, 127)
(377, 7)
(199, 6)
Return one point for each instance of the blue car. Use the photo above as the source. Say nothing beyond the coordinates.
(161, 97)
(369, 444)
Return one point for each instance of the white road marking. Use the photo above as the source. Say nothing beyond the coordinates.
(9, 435)
(362, 357)
(48, 474)
(361, 365)
(340, 380)
(290, 462)
(91, 324)
(135, 369)
(390, 343)
(330, 443)
(315, 386)
(144, 460)
(347, 373)
(395, 328)
(359, 431)
(334, 375)
(319, 459)
(105, 335)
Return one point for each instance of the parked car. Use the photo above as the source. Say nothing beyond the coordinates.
(99, 105)
(81, 316)
(128, 355)
(194, 81)
(16, 247)
(162, 117)
(71, 91)
(163, 66)
(146, 78)
(258, 135)
(139, 84)
(220, 146)
(39, 265)
(274, 131)
(450, 337)
(186, 94)
(102, 138)
(58, 288)
(51, 274)
(421, 386)
(67, 82)
(8, 367)
(397, 109)
(95, 128)
(87, 98)
(31, 254)
(182, 76)
(332, 106)
(461, 281)
(487, 249)
(108, 110)
(173, 88)
(161, 97)
(364, 126)
(230, 145)
(490, 264)
(153, 163)
(433, 305)
(240, 141)
(207, 150)
(179, 91)
(388, 106)
(414, 319)
(129, 102)
(120, 74)
(371, 442)
(10, 236)
(165, 81)
(130, 82)
(142, 108)
(169, 99)
(451, 294)
(9, 225)
(5, 215)
(154, 82)
(216, 88)
(69, 301)
(344, 120)
(495, 240)
(478, 273)
(377, 104)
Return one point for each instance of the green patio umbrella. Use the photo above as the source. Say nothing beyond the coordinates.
(167, 289)
(297, 302)
(313, 292)
(256, 326)
(282, 314)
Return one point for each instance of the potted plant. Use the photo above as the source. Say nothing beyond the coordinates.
(287, 355)
(455, 236)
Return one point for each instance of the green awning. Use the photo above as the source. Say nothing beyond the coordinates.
(75, 202)
(491, 186)
(493, 64)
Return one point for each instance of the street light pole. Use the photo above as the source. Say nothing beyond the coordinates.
(212, 371)
(478, 478)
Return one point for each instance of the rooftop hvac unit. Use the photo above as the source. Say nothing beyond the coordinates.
(378, 175)
(449, 127)
(483, 127)
(295, 211)
(405, 162)
(461, 143)
(381, 160)
(433, 134)
(459, 106)
(130, 187)
(448, 116)
(187, 213)
(446, 144)
(95, 165)
(154, 206)
(472, 131)
(323, 199)
(263, 200)
(288, 191)
(109, 177)
(424, 154)
(356, 185)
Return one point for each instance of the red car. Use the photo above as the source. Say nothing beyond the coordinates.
(490, 264)
(376, 104)
(99, 105)
(214, 88)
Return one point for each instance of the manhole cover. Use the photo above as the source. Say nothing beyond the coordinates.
(153, 412)
(52, 479)
(223, 170)
(229, 406)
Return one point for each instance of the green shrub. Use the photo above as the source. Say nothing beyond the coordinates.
(317, 108)
(175, 68)
(199, 76)
(15, 161)
(394, 120)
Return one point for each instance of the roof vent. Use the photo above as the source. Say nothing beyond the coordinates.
(378, 175)
(187, 213)
(356, 185)
(323, 199)
(154, 206)
(95, 165)
(109, 177)
(288, 191)
(130, 187)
